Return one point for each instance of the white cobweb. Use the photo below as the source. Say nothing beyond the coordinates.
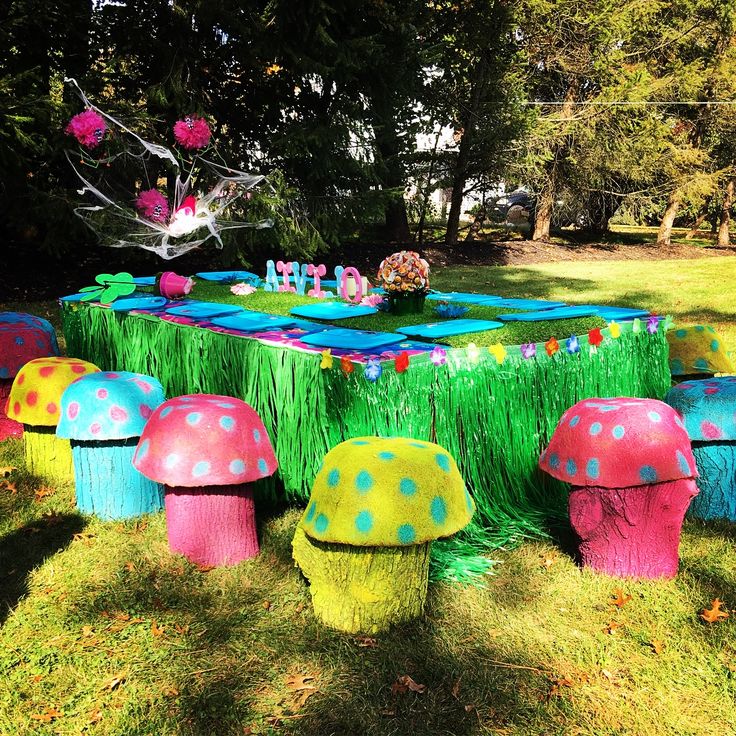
(111, 213)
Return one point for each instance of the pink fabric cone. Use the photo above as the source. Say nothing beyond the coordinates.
(631, 532)
(212, 525)
(8, 427)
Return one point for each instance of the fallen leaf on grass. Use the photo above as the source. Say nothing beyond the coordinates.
(612, 628)
(157, 630)
(181, 629)
(50, 715)
(95, 716)
(36, 678)
(6, 470)
(85, 537)
(366, 642)
(657, 646)
(715, 613)
(114, 683)
(548, 561)
(10, 486)
(129, 566)
(619, 599)
(205, 568)
(404, 683)
(43, 492)
(170, 692)
(557, 685)
(266, 605)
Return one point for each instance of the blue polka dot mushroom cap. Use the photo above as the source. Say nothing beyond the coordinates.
(205, 440)
(708, 408)
(619, 443)
(24, 337)
(109, 405)
(387, 492)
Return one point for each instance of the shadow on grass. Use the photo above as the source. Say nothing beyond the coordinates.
(26, 548)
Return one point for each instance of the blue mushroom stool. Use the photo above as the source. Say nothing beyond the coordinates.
(708, 409)
(104, 419)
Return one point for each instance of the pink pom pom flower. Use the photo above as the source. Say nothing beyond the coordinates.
(88, 128)
(192, 132)
(152, 205)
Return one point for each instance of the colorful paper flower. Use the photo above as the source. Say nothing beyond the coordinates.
(572, 344)
(529, 350)
(242, 289)
(403, 273)
(346, 365)
(326, 362)
(192, 132)
(498, 351)
(402, 361)
(473, 352)
(372, 300)
(668, 323)
(551, 346)
(652, 324)
(636, 325)
(595, 337)
(88, 128)
(152, 205)
(373, 370)
(438, 356)
(615, 329)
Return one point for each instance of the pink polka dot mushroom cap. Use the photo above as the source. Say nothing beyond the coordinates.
(592, 437)
(35, 397)
(708, 408)
(205, 440)
(23, 337)
(108, 406)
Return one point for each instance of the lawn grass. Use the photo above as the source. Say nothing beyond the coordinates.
(102, 631)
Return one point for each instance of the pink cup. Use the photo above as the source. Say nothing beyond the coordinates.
(173, 286)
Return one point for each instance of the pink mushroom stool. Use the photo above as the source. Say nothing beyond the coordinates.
(23, 338)
(631, 469)
(207, 451)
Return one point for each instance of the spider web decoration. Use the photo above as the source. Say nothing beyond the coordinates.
(201, 196)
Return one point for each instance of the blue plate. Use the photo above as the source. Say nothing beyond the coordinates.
(362, 340)
(138, 302)
(618, 313)
(547, 314)
(230, 277)
(463, 297)
(332, 310)
(145, 280)
(203, 310)
(252, 322)
(75, 298)
(434, 330)
(532, 305)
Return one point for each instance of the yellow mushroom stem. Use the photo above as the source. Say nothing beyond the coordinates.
(363, 589)
(47, 455)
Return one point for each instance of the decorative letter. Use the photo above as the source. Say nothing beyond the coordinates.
(343, 284)
(300, 276)
(272, 282)
(317, 271)
(285, 269)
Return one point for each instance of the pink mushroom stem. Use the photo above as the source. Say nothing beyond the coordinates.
(212, 525)
(634, 531)
(8, 427)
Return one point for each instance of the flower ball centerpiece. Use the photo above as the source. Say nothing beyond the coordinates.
(405, 278)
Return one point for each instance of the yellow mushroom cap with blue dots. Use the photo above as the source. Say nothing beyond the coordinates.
(697, 349)
(387, 492)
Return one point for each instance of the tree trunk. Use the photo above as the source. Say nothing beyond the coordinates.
(601, 208)
(460, 169)
(212, 525)
(716, 463)
(364, 589)
(631, 532)
(543, 212)
(664, 236)
(476, 225)
(724, 239)
(699, 220)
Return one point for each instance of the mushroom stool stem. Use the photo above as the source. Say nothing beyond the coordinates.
(8, 427)
(46, 454)
(108, 485)
(632, 531)
(212, 525)
(363, 589)
(716, 463)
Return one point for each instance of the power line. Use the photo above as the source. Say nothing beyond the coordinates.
(625, 103)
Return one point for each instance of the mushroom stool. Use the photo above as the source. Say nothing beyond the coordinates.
(631, 469)
(35, 398)
(23, 337)
(708, 409)
(697, 352)
(364, 539)
(103, 414)
(207, 450)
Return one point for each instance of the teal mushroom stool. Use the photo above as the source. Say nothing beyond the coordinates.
(103, 415)
(708, 410)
